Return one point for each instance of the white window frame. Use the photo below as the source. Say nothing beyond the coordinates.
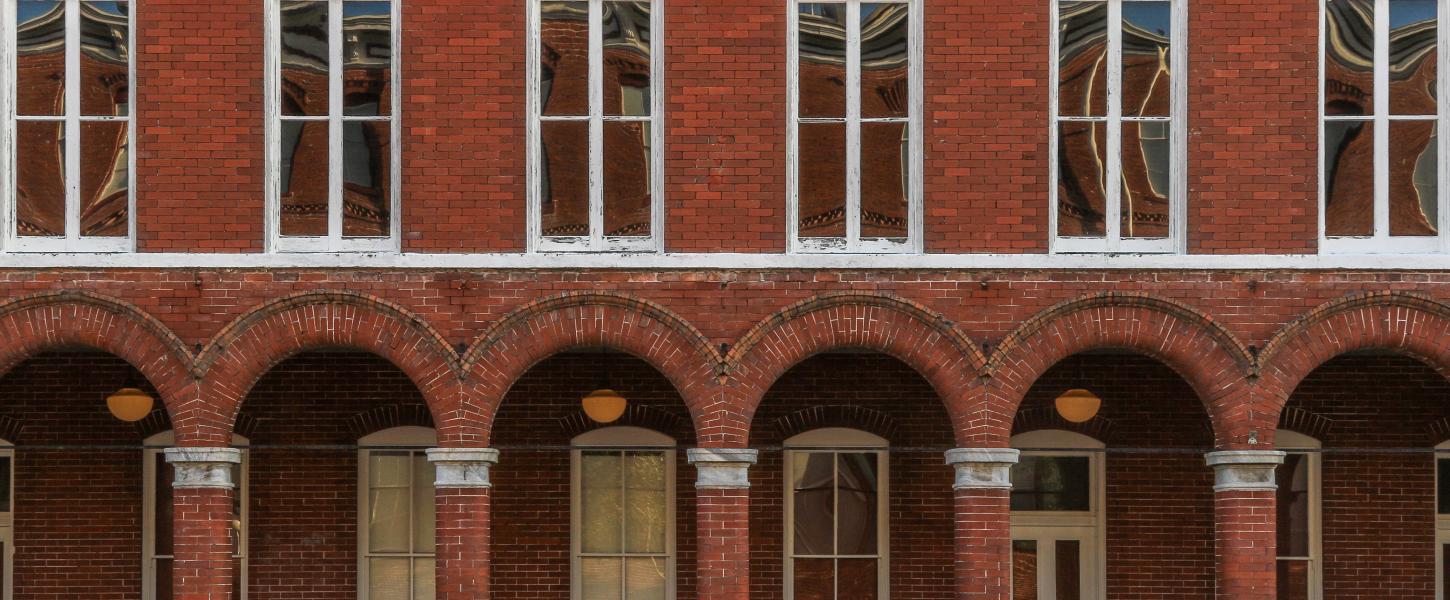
(407, 438)
(1089, 528)
(1293, 442)
(596, 241)
(1442, 523)
(155, 446)
(622, 438)
(334, 241)
(852, 243)
(841, 440)
(9, 71)
(1112, 240)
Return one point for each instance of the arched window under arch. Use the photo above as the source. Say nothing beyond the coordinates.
(396, 543)
(623, 515)
(836, 531)
(1296, 518)
(1058, 515)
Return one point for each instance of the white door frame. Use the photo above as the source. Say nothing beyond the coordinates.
(1089, 528)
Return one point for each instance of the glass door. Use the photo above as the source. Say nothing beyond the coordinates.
(1053, 563)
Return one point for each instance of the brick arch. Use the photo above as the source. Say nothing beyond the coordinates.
(1413, 325)
(548, 326)
(33, 324)
(242, 352)
(1213, 362)
(921, 338)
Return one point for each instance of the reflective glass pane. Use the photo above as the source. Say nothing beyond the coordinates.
(1442, 502)
(645, 524)
(815, 578)
(822, 182)
(388, 579)
(1413, 57)
(164, 586)
(626, 58)
(628, 148)
(601, 506)
(1069, 570)
(564, 190)
(1348, 178)
(856, 529)
(564, 58)
(822, 60)
(425, 580)
(1414, 178)
(164, 507)
(601, 578)
(105, 178)
(1147, 58)
(366, 178)
(856, 579)
(367, 58)
(1081, 186)
(1052, 483)
(389, 498)
(105, 58)
(1147, 175)
(304, 188)
(40, 178)
(644, 578)
(40, 58)
(1292, 505)
(1293, 580)
(4, 486)
(424, 505)
(1024, 570)
(885, 175)
(813, 482)
(1082, 72)
(1349, 64)
(304, 57)
(885, 67)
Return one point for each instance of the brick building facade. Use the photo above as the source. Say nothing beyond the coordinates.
(841, 257)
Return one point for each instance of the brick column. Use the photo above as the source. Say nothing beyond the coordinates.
(202, 525)
(722, 548)
(462, 496)
(1243, 513)
(983, 522)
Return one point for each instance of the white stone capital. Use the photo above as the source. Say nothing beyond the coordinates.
(462, 467)
(983, 468)
(722, 468)
(203, 467)
(1250, 470)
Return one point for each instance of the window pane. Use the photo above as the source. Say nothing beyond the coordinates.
(164, 507)
(1082, 73)
(1413, 61)
(1081, 188)
(885, 172)
(105, 178)
(164, 587)
(1147, 169)
(885, 67)
(388, 579)
(304, 189)
(856, 579)
(1024, 570)
(1069, 570)
(627, 148)
(813, 481)
(1293, 577)
(389, 497)
(822, 60)
(815, 579)
(601, 578)
(564, 58)
(105, 52)
(1414, 178)
(1442, 467)
(1052, 483)
(626, 58)
(367, 55)
(1348, 178)
(40, 178)
(822, 188)
(40, 58)
(4, 486)
(367, 178)
(424, 505)
(856, 503)
(601, 507)
(1349, 66)
(304, 57)
(425, 580)
(644, 520)
(1292, 505)
(645, 578)
(565, 186)
(1147, 56)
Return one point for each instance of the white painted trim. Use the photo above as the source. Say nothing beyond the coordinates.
(883, 506)
(1293, 442)
(576, 511)
(623, 437)
(1047, 527)
(420, 439)
(155, 446)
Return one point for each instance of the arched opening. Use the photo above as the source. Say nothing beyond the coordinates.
(158, 515)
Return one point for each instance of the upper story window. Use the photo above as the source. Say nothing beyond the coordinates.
(396, 515)
(623, 515)
(68, 161)
(596, 176)
(1118, 134)
(1382, 115)
(855, 126)
(837, 516)
(332, 152)
(1297, 517)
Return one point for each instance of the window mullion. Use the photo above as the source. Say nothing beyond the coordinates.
(596, 125)
(853, 124)
(72, 121)
(1112, 176)
(334, 124)
(1381, 119)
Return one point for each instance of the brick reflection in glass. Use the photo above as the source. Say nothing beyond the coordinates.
(885, 91)
(626, 58)
(304, 58)
(1147, 167)
(40, 58)
(367, 54)
(1082, 78)
(564, 187)
(1349, 178)
(105, 57)
(105, 178)
(627, 178)
(564, 58)
(366, 159)
(1081, 164)
(1349, 64)
(40, 178)
(303, 174)
(822, 179)
(822, 60)
(1414, 178)
(885, 177)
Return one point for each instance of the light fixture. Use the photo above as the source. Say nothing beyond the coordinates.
(130, 403)
(604, 405)
(1078, 405)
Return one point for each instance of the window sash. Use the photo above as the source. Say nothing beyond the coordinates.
(577, 513)
(365, 554)
(883, 504)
